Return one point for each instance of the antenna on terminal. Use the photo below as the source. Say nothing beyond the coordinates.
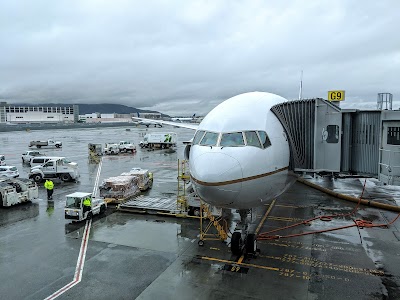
(301, 86)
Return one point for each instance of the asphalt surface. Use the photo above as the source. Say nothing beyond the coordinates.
(136, 256)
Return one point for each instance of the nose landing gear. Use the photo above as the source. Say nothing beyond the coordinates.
(243, 242)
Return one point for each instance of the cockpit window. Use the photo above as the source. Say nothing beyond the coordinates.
(264, 139)
(197, 137)
(210, 139)
(232, 139)
(252, 139)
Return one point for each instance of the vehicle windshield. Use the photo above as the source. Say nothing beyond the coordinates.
(252, 139)
(73, 202)
(13, 169)
(197, 137)
(209, 139)
(232, 139)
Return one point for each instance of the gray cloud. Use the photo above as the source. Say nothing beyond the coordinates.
(181, 57)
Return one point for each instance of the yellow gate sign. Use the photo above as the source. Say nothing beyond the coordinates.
(335, 95)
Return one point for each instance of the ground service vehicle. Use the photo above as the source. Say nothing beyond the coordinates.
(125, 146)
(2, 160)
(14, 191)
(41, 160)
(159, 140)
(48, 143)
(28, 155)
(74, 206)
(9, 171)
(55, 168)
(111, 148)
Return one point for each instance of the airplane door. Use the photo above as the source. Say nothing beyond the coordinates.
(389, 156)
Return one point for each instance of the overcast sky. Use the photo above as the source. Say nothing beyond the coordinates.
(185, 57)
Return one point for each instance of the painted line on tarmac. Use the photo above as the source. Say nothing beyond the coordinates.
(79, 264)
(242, 264)
(96, 183)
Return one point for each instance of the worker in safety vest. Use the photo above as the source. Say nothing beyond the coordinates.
(49, 186)
(87, 205)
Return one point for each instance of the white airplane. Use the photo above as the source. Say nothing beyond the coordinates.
(182, 119)
(147, 123)
(239, 158)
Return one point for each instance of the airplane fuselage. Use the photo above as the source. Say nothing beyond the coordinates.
(229, 168)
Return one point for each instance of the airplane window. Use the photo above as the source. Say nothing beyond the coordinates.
(264, 139)
(209, 139)
(232, 139)
(199, 134)
(252, 139)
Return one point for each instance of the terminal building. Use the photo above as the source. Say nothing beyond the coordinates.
(14, 114)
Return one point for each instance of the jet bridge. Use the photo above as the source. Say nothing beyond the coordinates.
(313, 128)
(324, 138)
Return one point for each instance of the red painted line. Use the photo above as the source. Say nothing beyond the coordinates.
(78, 270)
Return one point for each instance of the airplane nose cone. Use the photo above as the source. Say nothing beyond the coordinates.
(215, 178)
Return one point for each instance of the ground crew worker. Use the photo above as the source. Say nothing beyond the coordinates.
(87, 205)
(49, 186)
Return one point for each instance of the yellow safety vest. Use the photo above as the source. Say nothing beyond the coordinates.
(49, 184)
(87, 202)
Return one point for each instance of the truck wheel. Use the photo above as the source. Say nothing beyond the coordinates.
(65, 177)
(141, 145)
(102, 209)
(38, 146)
(57, 146)
(37, 178)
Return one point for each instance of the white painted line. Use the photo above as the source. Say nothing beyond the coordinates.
(193, 240)
(79, 264)
(96, 183)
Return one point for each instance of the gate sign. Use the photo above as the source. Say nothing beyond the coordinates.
(335, 95)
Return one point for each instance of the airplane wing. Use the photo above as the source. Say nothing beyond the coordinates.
(183, 125)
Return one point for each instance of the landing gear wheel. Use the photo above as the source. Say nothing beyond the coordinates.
(251, 244)
(200, 243)
(236, 243)
(196, 211)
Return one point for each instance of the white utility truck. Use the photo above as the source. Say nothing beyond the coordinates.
(28, 155)
(74, 206)
(125, 146)
(55, 168)
(14, 191)
(111, 148)
(48, 143)
(159, 140)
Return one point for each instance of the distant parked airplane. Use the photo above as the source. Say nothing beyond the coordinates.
(179, 119)
(147, 122)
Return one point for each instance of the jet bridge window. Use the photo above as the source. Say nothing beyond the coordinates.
(264, 139)
(333, 134)
(209, 139)
(393, 136)
(198, 136)
(232, 139)
(252, 139)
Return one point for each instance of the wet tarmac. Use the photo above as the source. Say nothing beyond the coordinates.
(139, 256)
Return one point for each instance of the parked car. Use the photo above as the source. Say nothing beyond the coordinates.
(28, 155)
(9, 171)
